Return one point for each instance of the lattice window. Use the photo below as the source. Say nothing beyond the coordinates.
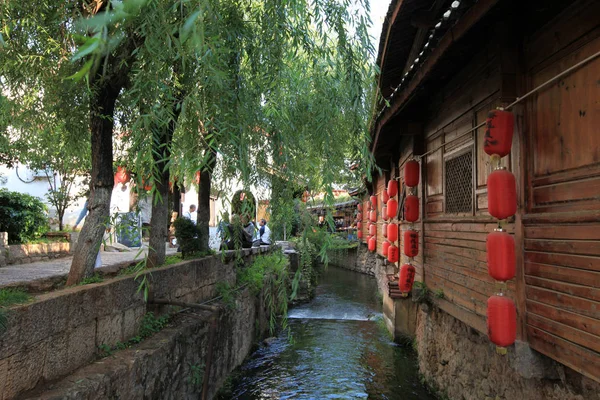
(459, 184)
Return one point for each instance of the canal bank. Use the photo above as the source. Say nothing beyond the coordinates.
(337, 347)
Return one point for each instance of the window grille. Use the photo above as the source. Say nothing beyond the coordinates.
(459, 184)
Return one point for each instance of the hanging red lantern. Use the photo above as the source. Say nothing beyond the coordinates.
(372, 243)
(502, 194)
(384, 229)
(392, 208)
(197, 180)
(359, 225)
(411, 208)
(501, 320)
(384, 213)
(392, 232)
(411, 243)
(373, 229)
(373, 216)
(359, 216)
(359, 207)
(501, 261)
(384, 248)
(122, 176)
(407, 278)
(384, 196)
(373, 202)
(411, 173)
(392, 188)
(499, 133)
(393, 254)
(359, 234)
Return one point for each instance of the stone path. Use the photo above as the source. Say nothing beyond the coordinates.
(24, 273)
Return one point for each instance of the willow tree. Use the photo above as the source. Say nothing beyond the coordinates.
(247, 87)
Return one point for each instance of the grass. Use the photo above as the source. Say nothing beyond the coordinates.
(151, 324)
(92, 279)
(8, 297)
(44, 240)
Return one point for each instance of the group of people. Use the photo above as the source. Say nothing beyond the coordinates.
(243, 230)
(240, 228)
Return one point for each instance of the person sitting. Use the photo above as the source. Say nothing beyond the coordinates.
(240, 231)
(264, 234)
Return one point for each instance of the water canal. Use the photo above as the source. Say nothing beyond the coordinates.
(338, 350)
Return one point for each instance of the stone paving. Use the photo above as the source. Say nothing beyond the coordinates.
(24, 273)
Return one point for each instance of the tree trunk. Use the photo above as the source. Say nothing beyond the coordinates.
(159, 224)
(176, 199)
(203, 219)
(102, 106)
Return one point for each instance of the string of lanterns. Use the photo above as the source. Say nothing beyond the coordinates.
(410, 236)
(500, 246)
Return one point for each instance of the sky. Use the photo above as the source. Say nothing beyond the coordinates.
(378, 11)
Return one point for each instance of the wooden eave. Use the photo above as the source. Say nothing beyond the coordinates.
(469, 19)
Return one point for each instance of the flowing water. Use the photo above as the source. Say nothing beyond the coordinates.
(338, 350)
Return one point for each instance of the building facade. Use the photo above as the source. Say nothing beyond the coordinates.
(444, 65)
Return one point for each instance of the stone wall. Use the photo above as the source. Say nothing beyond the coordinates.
(29, 253)
(462, 363)
(60, 331)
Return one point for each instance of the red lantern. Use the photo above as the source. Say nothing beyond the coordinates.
(499, 132)
(411, 173)
(407, 278)
(501, 320)
(384, 196)
(359, 225)
(359, 216)
(393, 254)
(372, 243)
(392, 188)
(359, 234)
(197, 180)
(359, 207)
(411, 208)
(384, 248)
(373, 202)
(373, 216)
(373, 229)
(384, 213)
(411, 243)
(392, 208)
(392, 232)
(384, 229)
(502, 194)
(122, 176)
(500, 247)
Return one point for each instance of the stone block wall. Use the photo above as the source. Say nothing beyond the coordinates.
(462, 364)
(28, 253)
(60, 331)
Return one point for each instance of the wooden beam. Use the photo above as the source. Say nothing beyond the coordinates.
(387, 38)
(468, 20)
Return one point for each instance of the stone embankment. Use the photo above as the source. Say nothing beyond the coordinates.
(52, 345)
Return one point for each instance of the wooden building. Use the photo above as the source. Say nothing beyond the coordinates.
(444, 65)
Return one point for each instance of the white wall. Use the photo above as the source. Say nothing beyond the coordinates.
(21, 179)
(38, 187)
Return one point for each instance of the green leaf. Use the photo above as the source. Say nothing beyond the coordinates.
(82, 72)
(89, 47)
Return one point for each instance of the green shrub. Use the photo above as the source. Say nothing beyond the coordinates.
(188, 237)
(22, 216)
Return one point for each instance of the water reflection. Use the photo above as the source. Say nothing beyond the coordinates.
(338, 351)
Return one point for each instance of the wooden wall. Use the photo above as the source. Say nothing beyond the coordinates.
(454, 243)
(561, 223)
(556, 161)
